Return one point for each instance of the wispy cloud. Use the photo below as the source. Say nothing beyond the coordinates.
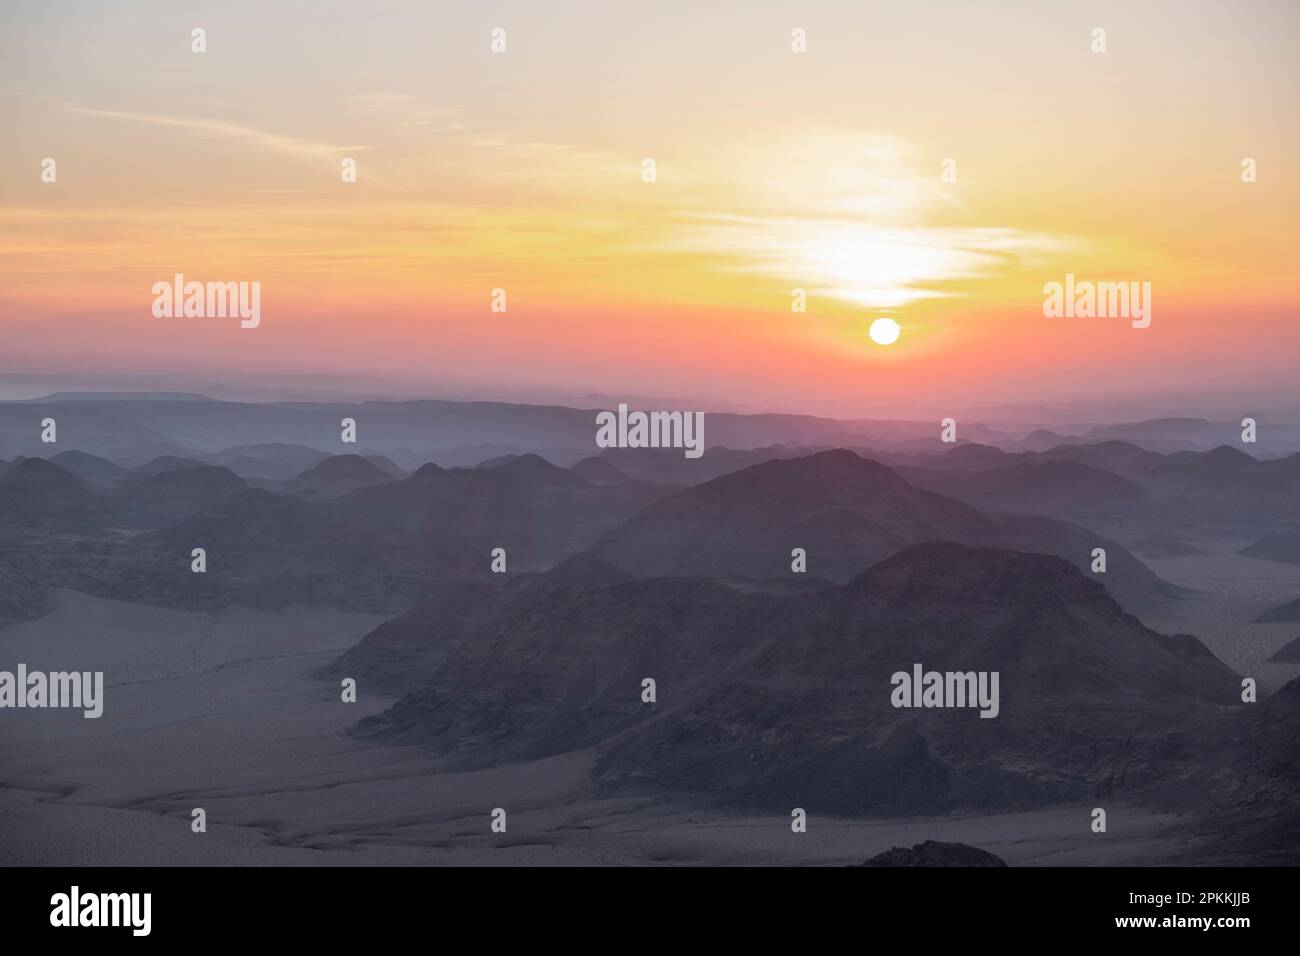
(407, 109)
(870, 266)
(313, 150)
(850, 217)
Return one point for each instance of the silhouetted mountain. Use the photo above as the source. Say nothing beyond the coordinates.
(1042, 439)
(462, 456)
(37, 493)
(1220, 462)
(169, 496)
(1164, 546)
(301, 456)
(164, 463)
(1062, 647)
(934, 853)
(138, 456)
(536, 469)
(1121, 457)
(1118, 457)
(496, 461)
(1288, 653)
(1226, 492)
(386, 465)
(599, 471)
(846, 512)
(1270, 748)
(1280, 615)
(426, 474)
(762, 698)
(1058, 489)
(94, 427)
(1255, 775)
(122, 397)
(401, 504)
(268, 550)
(971, 457)
(668, 466)
(584, 571)
(275, 461)
(1281, 546)
(89, 468)
(539, 513)
(1174, 434)
(337, 475)
(399, 655)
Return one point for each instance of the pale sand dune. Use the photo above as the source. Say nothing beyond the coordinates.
(218, 711)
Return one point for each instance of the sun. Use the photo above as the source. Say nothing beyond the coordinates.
(884, 331)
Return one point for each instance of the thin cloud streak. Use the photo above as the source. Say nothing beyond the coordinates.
(303, 148)
(846, 215)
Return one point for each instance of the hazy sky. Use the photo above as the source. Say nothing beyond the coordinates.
(775, 170)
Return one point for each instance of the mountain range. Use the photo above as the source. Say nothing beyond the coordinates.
(769, 697)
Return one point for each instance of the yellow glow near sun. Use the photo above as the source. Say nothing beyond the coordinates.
(884, 331)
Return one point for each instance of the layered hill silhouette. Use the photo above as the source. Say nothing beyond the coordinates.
(935, 853)
(667, 466)
(539, 513)
(274, 460)
(847, 512)
(165, 497)
(1174, 434)
(1288, 654)
(388, 535)
(1059, 488)
(1226, 490)
(599, 471)
(1120, 457)
(337, 475)
(1223, 491)
(165, 463)
(1281, 614)
(344, 533)
(89, 468)
(1281, 546)
(1162, 545)
(36, 493)
(268, 550)
(130, 428)
(765, 696)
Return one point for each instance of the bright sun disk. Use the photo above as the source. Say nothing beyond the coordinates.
(884, 331)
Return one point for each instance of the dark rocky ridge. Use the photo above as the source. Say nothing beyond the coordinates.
(764, 696)
(1252, 817)
(935, 853)
(21, 598)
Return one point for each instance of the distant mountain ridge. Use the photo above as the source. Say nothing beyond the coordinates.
(846, 512)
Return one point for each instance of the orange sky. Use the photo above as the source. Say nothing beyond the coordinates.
(775, 170)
